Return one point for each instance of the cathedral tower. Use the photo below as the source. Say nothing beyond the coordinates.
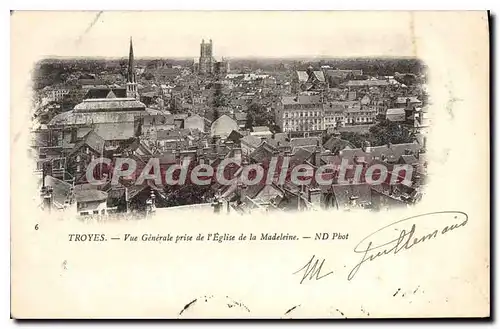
(206, 59)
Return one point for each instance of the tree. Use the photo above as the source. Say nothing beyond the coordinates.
(382, 133)
(356, 139)
(70, 100)
(179, 195)
(250, 120)
(149, 76)
(387, 131)
(257, 115)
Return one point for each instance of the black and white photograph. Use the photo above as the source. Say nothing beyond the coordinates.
(286, 134)
(250, 164)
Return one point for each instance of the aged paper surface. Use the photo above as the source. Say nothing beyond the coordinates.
(441, 271)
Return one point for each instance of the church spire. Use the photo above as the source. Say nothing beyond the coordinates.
(131, 80)
(131, 74)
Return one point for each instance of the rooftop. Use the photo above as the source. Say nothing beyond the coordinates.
(109, 104)
(368, 83)
(301, 99)
(90, 195)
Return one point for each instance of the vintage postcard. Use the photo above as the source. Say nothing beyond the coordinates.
(259, 164)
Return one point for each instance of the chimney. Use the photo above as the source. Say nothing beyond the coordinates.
(242, 188)
(218, 148)
(407, 102)
(366, 147)
(237, 153)
(299, 198)
(314, 196)
(317, 154)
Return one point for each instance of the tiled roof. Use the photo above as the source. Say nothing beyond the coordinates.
(299, 157)
(260, 129)
(60, 189)
(262, 153)
(302, 76)
(346, 193)
(235, 136)
(92, 140)
(305, 141)
(90, 195)
(336, 144)
(252, 141)
(223, 126)
(301, 99)
(280, 137)
(395, 111)
(109, 104)
(402, 100)
(179, 134)
(409, 159)
(319, 75)
(105, 93)
(391, 152)
(368, 83)
(158, 119)
(87, 118)
(115, 130)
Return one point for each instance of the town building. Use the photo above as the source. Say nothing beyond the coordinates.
(407, 102)
(353, 85)
(249, 144)
(300, 113)
(223, 126)
(195, 122)
(54, 93)
(262, 132)
(91, 202)
(396, 115)
(309, 80)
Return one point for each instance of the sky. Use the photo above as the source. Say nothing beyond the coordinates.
(234, 34)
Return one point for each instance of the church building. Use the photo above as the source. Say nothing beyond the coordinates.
(207, 63)
(113, 114)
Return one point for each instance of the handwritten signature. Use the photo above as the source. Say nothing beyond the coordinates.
(406, 238)
(313, 269)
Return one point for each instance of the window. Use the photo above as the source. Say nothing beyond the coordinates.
(84, 213)
(96, 212)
